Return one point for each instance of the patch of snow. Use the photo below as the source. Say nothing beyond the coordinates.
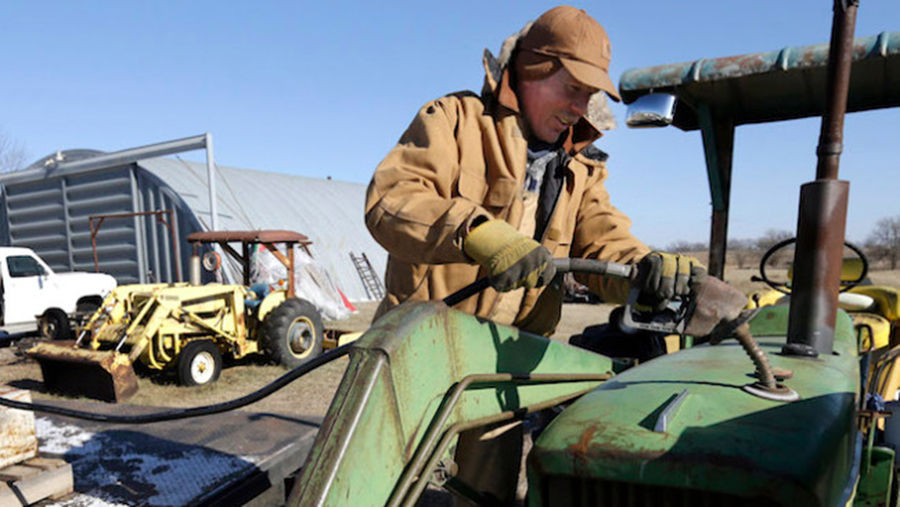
(117, 466)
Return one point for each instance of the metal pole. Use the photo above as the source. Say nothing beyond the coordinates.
(718, 147)
(823, 209)
(134, 154)
(211, 178)
(170, 225)
(290, 269)
(840, 59)
(94, 243)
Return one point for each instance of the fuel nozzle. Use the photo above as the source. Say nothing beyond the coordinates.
(713, 312)
(718, 313)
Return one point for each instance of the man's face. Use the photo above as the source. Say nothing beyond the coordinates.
(553, 104)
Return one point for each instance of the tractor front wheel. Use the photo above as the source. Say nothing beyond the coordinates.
(293, 333)
(199, 363)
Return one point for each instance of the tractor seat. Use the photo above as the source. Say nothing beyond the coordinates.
(886, 300)
(847, 301)
(862, 298)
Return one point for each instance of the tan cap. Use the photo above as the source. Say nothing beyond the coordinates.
(578, 41)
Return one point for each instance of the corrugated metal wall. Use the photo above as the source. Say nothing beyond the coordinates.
(160, 262)
(52, 216)
(98, 193)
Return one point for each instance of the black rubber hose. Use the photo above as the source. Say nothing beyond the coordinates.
(185, 413)
(563, 265)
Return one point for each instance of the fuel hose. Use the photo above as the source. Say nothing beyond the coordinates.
(562, 266)
(185, 413)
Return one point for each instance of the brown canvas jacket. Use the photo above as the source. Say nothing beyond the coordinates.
(464, 156)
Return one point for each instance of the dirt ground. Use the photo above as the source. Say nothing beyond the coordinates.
(312, 394)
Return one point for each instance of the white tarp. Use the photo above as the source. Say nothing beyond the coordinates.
(311, 281)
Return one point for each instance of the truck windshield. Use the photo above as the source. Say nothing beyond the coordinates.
(22, 265)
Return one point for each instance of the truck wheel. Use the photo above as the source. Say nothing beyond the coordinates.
(54, 325)
(293, 333)
(199, 363)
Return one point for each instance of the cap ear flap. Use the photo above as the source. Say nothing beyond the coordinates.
(598, 112)
(510, 43)
(492, 66)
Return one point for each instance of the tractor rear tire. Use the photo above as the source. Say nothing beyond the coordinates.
(293, 333)
(54, 325)
(199, 363)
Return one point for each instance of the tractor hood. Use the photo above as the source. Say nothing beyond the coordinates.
(680, 426)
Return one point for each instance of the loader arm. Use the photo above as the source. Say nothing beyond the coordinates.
(416, 378)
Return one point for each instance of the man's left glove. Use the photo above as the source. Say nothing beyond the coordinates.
(511, 258)
(663, 276)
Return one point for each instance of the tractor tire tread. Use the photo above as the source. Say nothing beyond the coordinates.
(278, 323)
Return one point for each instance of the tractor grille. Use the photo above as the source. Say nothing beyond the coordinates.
(570, 491)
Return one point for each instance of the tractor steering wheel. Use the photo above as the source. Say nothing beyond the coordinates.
(783, 287)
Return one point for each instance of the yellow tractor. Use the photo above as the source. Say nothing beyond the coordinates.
(188, 327)
(874, 310)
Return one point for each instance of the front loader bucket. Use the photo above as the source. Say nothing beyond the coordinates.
(102, 375)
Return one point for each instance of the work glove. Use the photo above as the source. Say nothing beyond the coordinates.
(511, 258)
(662, 276)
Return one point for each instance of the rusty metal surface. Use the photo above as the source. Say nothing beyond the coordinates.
(722, 439)
(101, 375)
(397, 381)
(417, 469)
(823, 208)
(223, 459)
(817, 266)
(160, 217)
(774, 85)
(18, 440)
(837, 83)
(263, 236)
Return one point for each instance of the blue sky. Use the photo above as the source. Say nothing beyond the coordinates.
(326, 88)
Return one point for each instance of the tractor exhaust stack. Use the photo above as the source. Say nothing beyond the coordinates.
(823, 208)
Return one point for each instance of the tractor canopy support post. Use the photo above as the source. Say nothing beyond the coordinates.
(718, 146)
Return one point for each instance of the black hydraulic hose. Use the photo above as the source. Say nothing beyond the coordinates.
(563, 265)
(184, 413)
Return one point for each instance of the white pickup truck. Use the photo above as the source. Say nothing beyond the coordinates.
(33, 297)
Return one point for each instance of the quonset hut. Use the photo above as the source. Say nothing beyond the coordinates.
(48, 208)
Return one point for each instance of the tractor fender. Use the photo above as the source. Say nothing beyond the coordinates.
(269, 303)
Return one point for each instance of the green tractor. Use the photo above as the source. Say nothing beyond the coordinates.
(775, 405)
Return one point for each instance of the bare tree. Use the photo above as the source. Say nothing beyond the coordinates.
(686, 247)
(13, 156)
(884, 241)
(770, 239)
(742, 251)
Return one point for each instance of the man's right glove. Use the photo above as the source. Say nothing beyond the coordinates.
(511, 258)
(663, 276)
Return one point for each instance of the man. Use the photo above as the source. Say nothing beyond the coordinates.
(497, 185)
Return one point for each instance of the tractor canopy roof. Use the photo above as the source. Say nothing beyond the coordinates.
(718, 94)
(260, 236)
(770, 86)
